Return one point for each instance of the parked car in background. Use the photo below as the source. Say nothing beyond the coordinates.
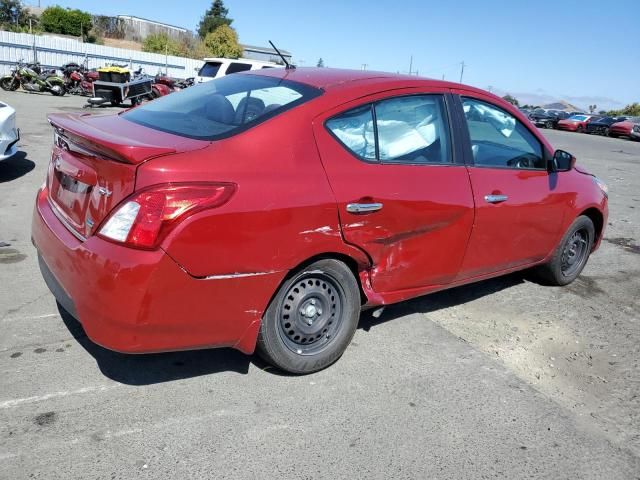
(625, 128)
(548, 118)
(576, 123)
(219, 67)
(9, 133)
(635, 132)
(267, 209)
(601, 125)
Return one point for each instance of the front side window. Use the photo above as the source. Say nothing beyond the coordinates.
(210, 69)
(409, 129)
(222, 107)
(498, 139)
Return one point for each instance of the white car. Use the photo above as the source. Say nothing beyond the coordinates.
(9, 134)
(219, 67)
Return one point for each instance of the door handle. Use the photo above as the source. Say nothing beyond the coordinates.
(363, 207)
(495, 198)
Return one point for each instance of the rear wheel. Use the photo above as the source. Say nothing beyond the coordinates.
(571, 255)
(580, 129)
(549, 125)
(312, 318)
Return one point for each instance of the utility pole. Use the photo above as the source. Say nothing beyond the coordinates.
(410, 64)
(461, 70)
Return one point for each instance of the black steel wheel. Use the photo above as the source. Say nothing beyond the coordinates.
(312, 318)
(571, 255)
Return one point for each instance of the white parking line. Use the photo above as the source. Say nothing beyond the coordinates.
(40, 398)
(34, 317)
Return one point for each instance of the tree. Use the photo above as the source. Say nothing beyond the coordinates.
(511, 99)
(13, 15)
(162, 43)
(320, 63)
(223, 42)
(214, 18)
(592, 108)
(632, 110)
(66, 21)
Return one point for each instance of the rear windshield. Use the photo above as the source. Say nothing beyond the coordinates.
(578, 118)
(209, 69)
(222, 107)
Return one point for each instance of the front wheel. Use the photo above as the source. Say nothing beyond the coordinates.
(571, 255)
(10, 84)
(312, 318)
(549, 125)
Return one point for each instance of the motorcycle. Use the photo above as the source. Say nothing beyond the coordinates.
(29, 79)
(78, 79)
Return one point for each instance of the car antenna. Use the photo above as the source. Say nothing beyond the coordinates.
(288, 66)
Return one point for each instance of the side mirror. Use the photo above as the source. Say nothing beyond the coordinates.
(562, 161)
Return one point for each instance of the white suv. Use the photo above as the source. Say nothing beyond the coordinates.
(219, 67)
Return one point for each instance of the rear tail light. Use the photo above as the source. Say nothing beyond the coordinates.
(144, 219)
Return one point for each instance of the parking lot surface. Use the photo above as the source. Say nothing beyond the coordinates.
(501, 379)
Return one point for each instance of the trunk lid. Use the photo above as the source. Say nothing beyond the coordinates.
(94, 161)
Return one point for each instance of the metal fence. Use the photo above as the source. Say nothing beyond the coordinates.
(52, 52)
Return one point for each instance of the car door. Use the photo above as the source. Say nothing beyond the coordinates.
(519, 210)
(402, 193)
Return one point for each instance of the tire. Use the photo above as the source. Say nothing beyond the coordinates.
(605, 132)
(312, 318)
(548, 125)
(565, 266)
(58, 92)
(580, 129)
(9, 84)
(114, 103)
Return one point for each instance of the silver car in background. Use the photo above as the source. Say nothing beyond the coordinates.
(9, 133)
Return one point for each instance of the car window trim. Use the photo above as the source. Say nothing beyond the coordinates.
(453, 153)
(467, 143)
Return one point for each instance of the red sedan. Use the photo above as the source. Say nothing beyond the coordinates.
(268, 209)
(576, 123)
(626, 128)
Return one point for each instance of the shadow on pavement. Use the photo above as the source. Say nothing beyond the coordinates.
(444, 299)
(15, 167)
(147, 369)
(153, 368)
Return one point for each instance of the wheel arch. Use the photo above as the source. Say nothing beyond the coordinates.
(597, 218)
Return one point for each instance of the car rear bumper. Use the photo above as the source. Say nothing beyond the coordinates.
(571, 128)
(137, 301)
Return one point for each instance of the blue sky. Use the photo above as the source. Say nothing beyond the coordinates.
(581, 51)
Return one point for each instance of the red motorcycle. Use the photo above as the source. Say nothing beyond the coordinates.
(78, 79)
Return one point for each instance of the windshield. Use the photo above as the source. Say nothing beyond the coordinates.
(578, 118)
(222, 107)
(210, 69)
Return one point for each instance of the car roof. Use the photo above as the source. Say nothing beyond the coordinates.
(335, 78)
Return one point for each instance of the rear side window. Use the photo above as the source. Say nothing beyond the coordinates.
(222, 107)
(355, 131)
(236, 67)
(409, 129)
(209, 69)
(413, 130)
(498, 139)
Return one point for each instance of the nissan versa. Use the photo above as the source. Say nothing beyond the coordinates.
(265, 210)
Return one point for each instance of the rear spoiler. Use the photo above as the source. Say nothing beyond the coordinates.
(84, 131)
